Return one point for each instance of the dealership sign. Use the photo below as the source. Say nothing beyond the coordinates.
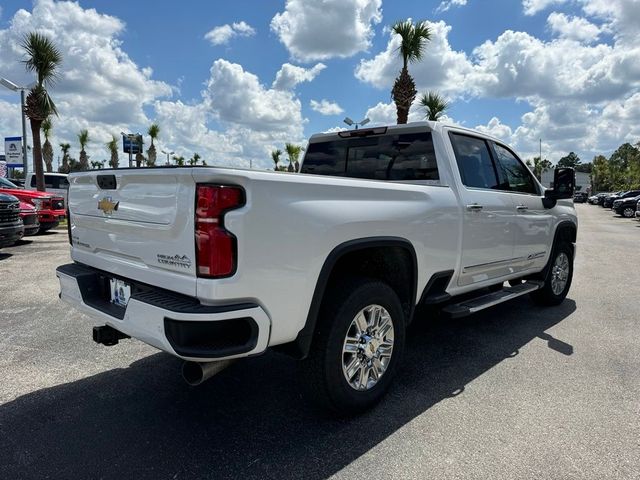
(13, 151)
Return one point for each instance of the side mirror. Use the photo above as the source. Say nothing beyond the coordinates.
(564, 185)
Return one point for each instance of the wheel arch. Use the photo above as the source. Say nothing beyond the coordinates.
(373, 257)
(567, 231)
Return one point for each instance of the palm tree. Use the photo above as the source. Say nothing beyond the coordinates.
(47, 149)
(153, 132)
(413, 42)
(83, 139)
(195, 159)
(43, 58)
(435, 106)
(539, 166)
(65, 168)
(140, 159)
(275, 155)
(179, 160)
(293, 153)
(113, 150)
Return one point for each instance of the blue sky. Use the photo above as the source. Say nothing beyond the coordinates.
(561, 70)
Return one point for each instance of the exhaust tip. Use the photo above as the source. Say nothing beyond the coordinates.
(192, 373)
(195, 373)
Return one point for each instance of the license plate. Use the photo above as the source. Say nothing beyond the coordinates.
(120, 292)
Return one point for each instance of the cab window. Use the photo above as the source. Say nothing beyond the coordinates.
(474, 162)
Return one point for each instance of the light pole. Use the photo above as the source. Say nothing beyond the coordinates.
(167, 154)
(350, 122)
(12, 86)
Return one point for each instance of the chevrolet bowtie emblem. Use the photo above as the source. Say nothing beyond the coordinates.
(107, 205)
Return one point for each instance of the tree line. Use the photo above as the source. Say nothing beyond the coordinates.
(620, 171)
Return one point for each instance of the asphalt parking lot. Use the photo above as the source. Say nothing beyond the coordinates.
(518, 391)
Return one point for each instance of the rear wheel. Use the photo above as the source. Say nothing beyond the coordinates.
(357, 347)
(558, 279)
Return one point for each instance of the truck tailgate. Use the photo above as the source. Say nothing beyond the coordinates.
(137, 224)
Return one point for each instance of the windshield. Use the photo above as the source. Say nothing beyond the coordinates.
(6, 183)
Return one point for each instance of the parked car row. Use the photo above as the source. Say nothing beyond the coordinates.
(49, 206)
(624, 203)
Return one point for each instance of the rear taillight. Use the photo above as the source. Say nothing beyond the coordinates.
(216, 248)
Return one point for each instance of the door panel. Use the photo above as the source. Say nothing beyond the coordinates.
(488, 235)
(533, 223)
(533, 231)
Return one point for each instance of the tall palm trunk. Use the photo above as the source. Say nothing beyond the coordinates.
(151, 155)
(404, 93)
(47, 155)
(37, 153)
(84, 160)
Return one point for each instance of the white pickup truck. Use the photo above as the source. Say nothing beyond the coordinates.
(214, 264)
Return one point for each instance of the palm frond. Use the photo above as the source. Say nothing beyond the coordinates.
(83, 138)
(43, 58)
(414, 38)
(154, 131)
(47, 126)
(434, 104)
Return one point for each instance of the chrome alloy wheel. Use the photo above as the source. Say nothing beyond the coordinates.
(628, 212)
(560, 273)
(367, 347)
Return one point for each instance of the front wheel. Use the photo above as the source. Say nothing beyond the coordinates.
(628, 212)
(358, 345)
(558, 279)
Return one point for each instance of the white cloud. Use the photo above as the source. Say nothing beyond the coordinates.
(100, 87)
(250, 114)
(222, 34)
(622, 17)
(574, 28)
(497, 129)
(447, 4)
(189, 132)
(326, 107)
(291, 75)
(531, 7)
(238, 97)
(385, 114)
(312, 30)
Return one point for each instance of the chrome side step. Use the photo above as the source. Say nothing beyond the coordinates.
(473, 305)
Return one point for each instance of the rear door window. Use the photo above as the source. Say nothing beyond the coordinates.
(475, 164)
(409, 156)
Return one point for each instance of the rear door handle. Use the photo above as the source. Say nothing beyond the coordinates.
(522, 208)
(474, 207)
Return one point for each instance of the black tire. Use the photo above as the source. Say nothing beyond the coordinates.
(516, 282)
(324, 382)
(546, 296)
(496, 288)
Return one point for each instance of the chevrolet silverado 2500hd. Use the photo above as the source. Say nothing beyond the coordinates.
(214, 264)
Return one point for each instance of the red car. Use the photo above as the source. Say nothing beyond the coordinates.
(50, 208)
(29, 216)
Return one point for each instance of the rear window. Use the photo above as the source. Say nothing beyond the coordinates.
(408, 156)
(52, 181)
